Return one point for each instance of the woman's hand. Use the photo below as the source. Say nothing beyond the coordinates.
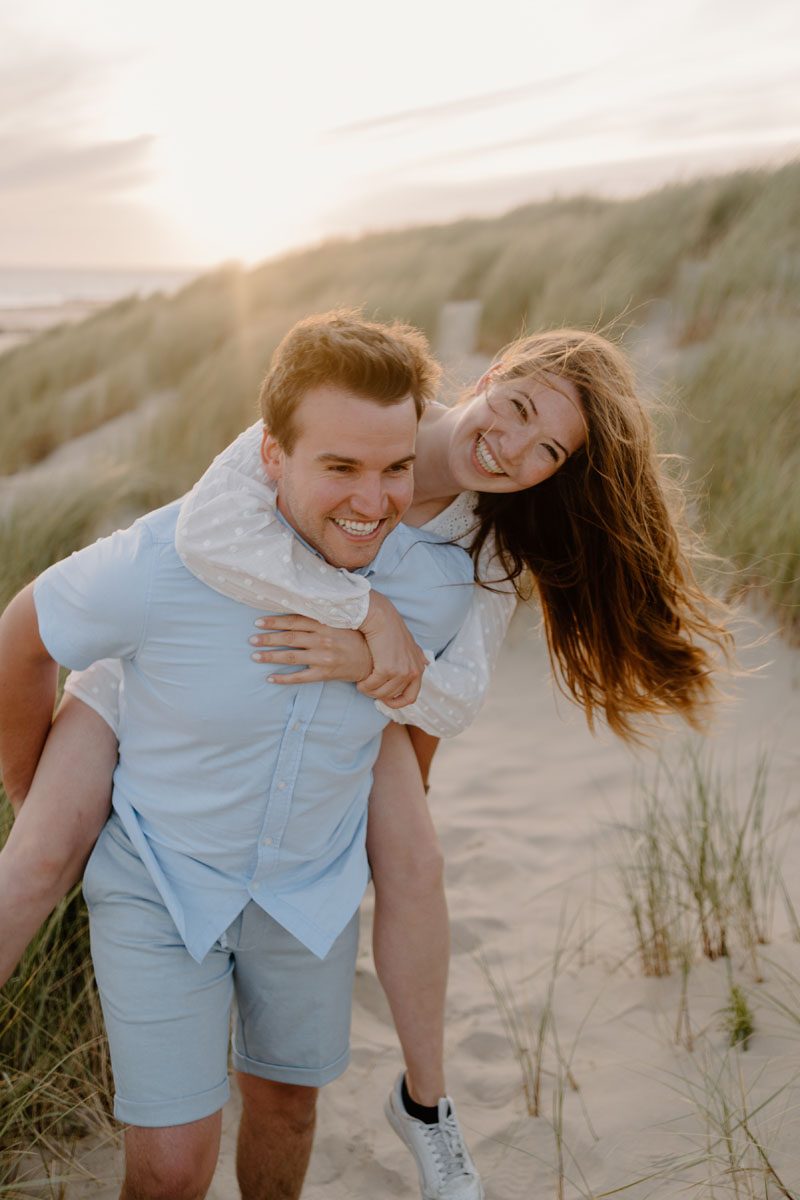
(398, 661)
(326, 653)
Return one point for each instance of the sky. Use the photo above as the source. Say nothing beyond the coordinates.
(168, 133)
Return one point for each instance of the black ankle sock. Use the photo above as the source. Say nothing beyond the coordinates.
(423, 1112)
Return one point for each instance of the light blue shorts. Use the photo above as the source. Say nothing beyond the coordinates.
(168, 1017)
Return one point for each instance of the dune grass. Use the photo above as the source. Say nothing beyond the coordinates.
(699, 867)
(53, 1055)
(723, 254)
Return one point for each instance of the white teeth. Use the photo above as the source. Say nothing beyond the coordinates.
(358, 527)
(486, 459)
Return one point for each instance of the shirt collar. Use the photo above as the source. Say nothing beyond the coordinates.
(387, 552)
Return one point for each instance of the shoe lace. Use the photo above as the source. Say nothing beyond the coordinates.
(447, 1146)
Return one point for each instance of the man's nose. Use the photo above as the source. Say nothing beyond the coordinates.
(369, 497)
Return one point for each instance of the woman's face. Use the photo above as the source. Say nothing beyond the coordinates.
(514, 433)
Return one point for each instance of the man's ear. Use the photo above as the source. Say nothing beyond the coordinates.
(272, 456)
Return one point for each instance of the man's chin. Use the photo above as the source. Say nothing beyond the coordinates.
(351, 551)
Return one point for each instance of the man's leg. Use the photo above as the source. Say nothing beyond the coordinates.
(172, 1163)
(167, 1018)
(275, 1138)
(291, 1036)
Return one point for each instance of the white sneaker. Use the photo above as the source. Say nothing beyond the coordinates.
(446, 1171)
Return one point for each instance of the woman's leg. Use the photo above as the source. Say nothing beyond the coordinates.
(57, 826)
(411, 933)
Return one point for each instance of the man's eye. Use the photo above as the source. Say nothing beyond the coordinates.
(400, 469)
(341, 469)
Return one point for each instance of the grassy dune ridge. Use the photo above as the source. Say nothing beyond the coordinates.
(722, 255)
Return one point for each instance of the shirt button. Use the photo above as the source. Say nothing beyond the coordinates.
(281, 785)
(267, 842)
(297, 725)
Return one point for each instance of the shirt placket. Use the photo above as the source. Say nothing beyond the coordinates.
(280, 797)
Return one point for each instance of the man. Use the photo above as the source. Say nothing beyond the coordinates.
(234, 860)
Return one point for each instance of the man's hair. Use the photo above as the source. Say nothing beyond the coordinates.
(383, 363)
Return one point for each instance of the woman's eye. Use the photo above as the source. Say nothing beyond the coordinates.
(521, 409)
(551, 450)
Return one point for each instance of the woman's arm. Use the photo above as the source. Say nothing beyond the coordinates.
(454, 686)
(228, 525)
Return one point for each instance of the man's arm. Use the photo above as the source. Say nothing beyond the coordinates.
(28, 678)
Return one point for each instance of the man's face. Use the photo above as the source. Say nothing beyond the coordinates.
(348, 479)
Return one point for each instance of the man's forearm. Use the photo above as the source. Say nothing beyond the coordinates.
(28, 678)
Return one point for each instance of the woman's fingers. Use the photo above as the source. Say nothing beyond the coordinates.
(395, 692)
(288, 621)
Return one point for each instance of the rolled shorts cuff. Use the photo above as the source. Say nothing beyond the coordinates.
(304, 1076)
(159, 1114)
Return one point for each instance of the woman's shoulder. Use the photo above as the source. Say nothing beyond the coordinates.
(457, 520)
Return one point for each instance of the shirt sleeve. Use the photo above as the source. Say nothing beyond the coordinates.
(94, 604)
(228, 531)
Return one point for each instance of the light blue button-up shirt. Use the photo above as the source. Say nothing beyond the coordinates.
(232, 788)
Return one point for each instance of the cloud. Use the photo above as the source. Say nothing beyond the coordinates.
(102, 168)
(382, 206)
(408, 119)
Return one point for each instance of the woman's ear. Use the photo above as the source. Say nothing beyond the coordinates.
(487, 376)
(272, 455)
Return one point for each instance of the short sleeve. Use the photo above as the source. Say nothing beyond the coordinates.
(93, 604)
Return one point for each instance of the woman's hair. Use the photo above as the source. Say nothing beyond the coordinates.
(631, 634)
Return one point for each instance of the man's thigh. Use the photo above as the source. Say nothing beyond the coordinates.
(167, 1016)
(291, 1009)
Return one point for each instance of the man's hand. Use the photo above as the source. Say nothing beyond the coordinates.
(28, 678)
(325, 652)
(398, 661)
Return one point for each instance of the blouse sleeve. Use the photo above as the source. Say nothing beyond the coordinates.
(228, 531)
(99, 686)
(454, 685)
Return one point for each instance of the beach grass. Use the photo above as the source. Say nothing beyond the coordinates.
(722, 257)
(53, 1055)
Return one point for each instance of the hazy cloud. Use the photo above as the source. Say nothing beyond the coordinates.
(101, 168)
(406, 120)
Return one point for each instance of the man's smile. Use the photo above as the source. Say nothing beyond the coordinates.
(356, 528)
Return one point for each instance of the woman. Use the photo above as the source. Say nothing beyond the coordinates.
(547, 473)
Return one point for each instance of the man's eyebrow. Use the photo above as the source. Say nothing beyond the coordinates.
(356, 462)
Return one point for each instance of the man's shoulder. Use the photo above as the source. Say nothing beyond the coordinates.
(421, 549)
(159, 525)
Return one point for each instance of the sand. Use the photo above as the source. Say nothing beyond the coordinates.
(525, 803)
